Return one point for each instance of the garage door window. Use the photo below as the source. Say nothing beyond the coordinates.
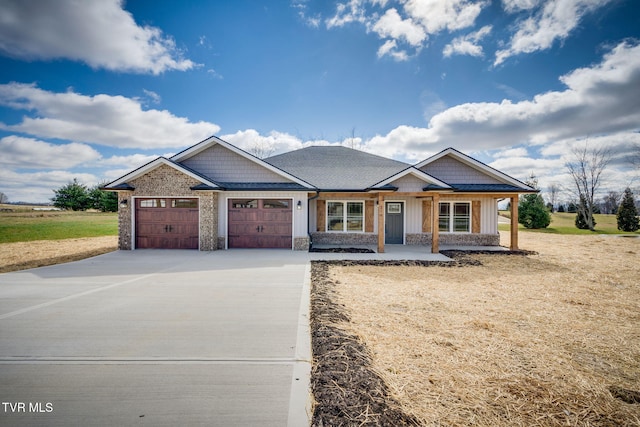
(152, 203)
(184, 203)
(245, 204)
(275, 204)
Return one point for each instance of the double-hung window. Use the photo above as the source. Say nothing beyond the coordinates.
(455, 217)
(345, 216)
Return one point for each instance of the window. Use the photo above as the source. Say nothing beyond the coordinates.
(184, 203)
(455, 217)
(245, 203)
(152, 203)
(345, 216)
(275, 204)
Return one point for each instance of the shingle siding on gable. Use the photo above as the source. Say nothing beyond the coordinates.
(409, 183)
(452, 171)
(223, 165)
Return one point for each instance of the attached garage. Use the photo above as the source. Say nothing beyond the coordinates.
(166, 223)
(260, 223)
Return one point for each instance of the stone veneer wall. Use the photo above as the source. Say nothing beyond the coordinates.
(462, 239)
(165, 181)
(320, 238)
(301, 244)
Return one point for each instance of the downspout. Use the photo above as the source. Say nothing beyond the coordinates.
(309, 216)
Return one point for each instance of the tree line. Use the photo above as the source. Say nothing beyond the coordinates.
(78, 197)
(586, 170)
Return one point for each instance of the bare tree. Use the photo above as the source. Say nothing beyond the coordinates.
(554, 190)
(610, 202)
(586, 170)
(3, 198)
(262, 149)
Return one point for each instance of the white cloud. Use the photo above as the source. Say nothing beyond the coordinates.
(468, 44)
(392, 25)
(346, 13)
(155, 98)
(101, 119)
(439, 15)
(598, 100)
(28, 153)
(99, 32)
(555, 21)
(38, 186)
(517, 5)
(390, 47)
(511, 153)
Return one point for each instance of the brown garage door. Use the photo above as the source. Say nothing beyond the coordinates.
(163, 223)
(260, 223)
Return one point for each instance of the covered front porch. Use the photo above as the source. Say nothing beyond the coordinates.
(409, 220)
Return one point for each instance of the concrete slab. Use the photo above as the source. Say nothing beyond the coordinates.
(391, 253)
(157, 338)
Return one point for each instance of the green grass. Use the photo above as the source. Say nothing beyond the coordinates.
(564, 223)
(27, 226)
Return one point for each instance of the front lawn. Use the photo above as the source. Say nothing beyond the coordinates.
(564, 223)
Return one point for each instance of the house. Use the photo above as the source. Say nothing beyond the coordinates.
(214, 195)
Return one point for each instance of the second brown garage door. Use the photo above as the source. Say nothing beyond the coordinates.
(260, 223)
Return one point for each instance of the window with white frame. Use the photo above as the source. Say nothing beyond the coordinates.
(345, 216)
(455, 217)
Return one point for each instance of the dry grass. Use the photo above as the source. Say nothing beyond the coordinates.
(23, 255)
(547, 339)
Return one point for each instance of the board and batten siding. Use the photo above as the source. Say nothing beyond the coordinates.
(223, 165)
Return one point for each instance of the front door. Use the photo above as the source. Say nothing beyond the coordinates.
(394, 223)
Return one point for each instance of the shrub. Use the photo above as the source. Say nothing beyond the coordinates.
(628, 213)
(532, 212)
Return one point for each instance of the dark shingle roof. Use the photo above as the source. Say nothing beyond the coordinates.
(484, 188)
(263, 186)
(337, 168)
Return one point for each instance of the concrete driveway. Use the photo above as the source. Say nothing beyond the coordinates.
(157, 338)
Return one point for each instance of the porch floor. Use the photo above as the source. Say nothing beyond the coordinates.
(394, 252)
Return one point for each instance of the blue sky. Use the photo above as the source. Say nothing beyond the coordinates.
(93, 89)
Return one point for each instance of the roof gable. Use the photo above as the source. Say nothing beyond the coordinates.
(122, 182)
(226, 163)
(419, 176)
(454, 167)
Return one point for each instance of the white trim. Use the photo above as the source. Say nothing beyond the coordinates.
(415, 172)
(214, 140)
(451, 203)
(226, 213)
(346, 214)
(135, 207)
(475, 164)
(404, 220)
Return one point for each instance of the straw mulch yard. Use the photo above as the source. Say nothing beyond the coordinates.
(542, 339)
(23, 255)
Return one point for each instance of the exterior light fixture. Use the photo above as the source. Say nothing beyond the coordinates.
(123, 203)
(299, 205)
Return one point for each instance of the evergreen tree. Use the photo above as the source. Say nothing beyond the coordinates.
(532, 212)
(104, 201)
(72, 196)
(628, 213)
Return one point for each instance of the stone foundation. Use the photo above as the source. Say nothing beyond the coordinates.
(418, 239)
(222, 242)
(344, 239)
(470, 239)
(301, 244)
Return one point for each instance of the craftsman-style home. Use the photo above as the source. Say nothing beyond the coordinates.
(214, 195)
